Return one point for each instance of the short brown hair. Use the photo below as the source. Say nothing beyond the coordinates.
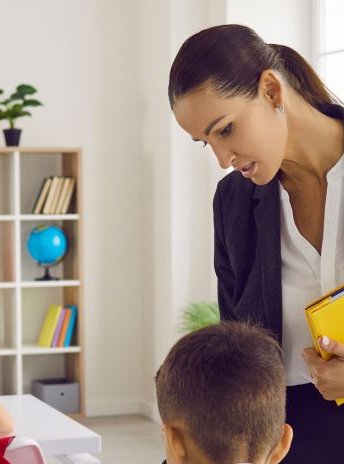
(226, 383)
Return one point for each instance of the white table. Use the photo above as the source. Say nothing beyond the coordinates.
(57, 434)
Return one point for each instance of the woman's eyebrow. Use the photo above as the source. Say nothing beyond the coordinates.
(212, 124)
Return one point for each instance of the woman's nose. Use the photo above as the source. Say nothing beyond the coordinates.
(225, 158)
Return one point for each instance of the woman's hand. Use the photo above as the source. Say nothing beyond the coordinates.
(328, 376)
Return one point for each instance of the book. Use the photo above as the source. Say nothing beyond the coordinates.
(51, 195)
(64, 327)
(64, 189)
(49, 325)
(325, 316)
(69, 195)
(58, 328)
(43, 193)
(56, 195)
(71, 325)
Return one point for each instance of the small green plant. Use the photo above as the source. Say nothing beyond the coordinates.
(15, 105)
(198, 315)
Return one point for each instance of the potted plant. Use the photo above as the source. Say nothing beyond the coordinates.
(14, 107)
(198, 315)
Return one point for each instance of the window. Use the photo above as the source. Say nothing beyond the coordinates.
(330, 44)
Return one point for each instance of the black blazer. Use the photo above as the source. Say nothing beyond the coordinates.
(248, 251)
(248, 247)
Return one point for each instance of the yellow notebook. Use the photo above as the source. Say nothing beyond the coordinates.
(46, 334)
(325, 316)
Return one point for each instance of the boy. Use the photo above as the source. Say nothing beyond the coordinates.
(221, 397)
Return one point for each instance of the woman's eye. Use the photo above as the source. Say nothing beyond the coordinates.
(226, 130)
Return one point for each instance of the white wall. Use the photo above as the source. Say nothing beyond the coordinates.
(177, 212)
(82, 55)
(288, 22)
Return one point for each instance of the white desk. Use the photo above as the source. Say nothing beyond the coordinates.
(57, 434)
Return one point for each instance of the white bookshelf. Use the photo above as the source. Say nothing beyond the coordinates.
(24, 300)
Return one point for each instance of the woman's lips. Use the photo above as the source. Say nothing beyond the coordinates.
(247, 170)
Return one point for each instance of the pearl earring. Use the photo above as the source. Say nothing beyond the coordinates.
(279, 109)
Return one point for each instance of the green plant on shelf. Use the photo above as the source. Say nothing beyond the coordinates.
(198, 315)
(15, 106)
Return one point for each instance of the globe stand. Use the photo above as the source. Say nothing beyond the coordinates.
(47, 275)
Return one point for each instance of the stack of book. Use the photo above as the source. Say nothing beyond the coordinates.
(58, 326)
(55, 195)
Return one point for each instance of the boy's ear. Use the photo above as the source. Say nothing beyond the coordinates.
(175, 443)
(283, 446)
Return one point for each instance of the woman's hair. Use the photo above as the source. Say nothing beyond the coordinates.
(231, 58)
(226, 383)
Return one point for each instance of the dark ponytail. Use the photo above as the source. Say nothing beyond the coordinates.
(231, 58)
(303, 79)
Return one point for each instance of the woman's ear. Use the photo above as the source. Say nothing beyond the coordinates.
(283, 446)
(270, 87)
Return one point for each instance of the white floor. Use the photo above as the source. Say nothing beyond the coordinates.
(127, 440)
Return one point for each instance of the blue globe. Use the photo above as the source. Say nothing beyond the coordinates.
(47, 244)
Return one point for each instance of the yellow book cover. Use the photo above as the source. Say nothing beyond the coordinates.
(326, 317)
(46, 334)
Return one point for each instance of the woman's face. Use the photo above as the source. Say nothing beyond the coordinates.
(247, 134)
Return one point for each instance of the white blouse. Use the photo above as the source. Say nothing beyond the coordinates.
(306, 275)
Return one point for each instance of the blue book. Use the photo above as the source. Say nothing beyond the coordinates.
(71, 325)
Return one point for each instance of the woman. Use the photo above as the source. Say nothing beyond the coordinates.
(279, 216)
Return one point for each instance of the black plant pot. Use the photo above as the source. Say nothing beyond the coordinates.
(12, 137)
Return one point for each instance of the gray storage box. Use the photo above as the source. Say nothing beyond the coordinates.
(61, 394)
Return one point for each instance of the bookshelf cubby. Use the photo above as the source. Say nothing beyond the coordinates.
(24, 300)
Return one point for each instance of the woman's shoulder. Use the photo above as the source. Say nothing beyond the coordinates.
(236, 190)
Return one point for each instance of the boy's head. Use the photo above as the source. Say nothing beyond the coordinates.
(221, 397)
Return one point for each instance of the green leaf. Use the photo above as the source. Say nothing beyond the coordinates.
(15, 96)
(3, 115)
(32, 103)
(198, 315)
(22, 113)
(25, 89)
(17, 107)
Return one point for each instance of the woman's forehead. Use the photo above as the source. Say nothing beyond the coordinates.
(197, 109)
